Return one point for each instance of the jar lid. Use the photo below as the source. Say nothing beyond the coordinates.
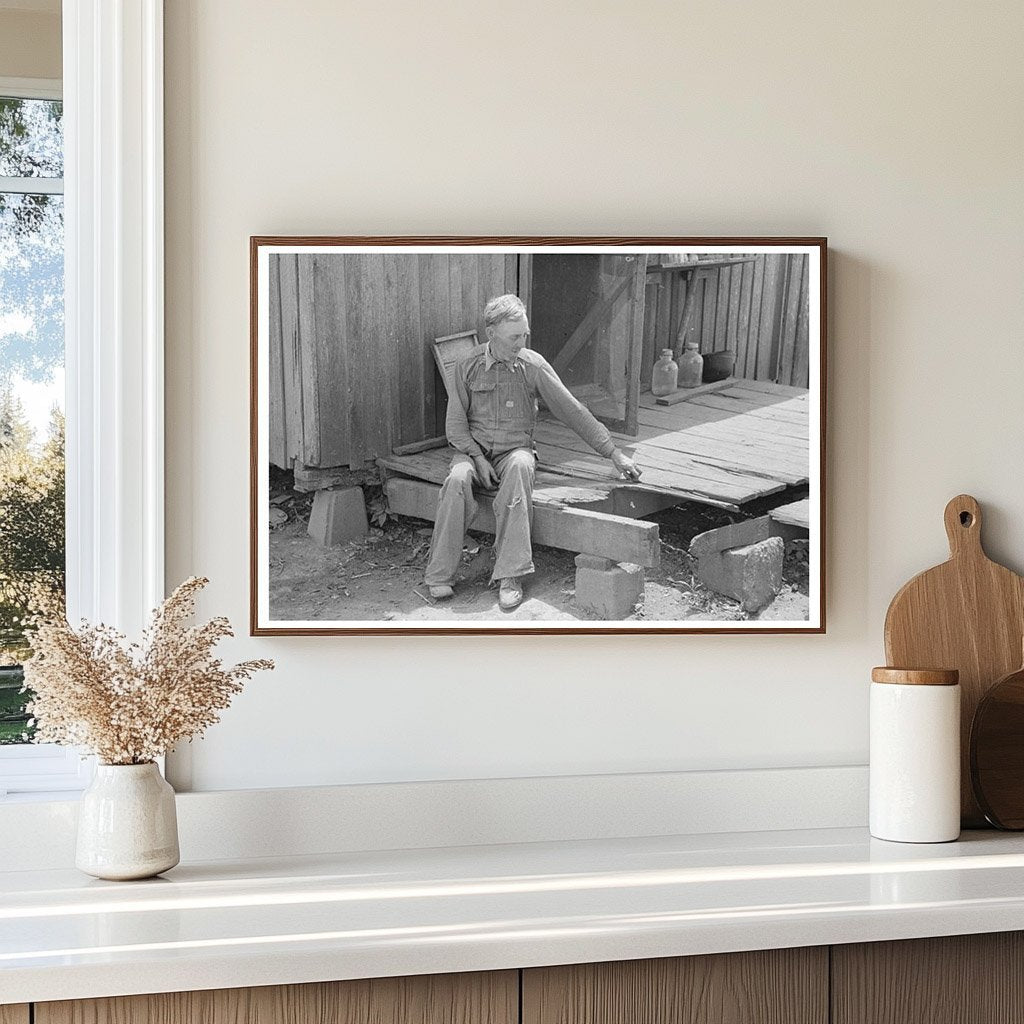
(916, 676)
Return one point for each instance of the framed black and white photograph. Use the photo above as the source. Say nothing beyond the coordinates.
(537, 435)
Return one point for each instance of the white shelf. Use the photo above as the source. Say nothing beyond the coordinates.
(352, 915)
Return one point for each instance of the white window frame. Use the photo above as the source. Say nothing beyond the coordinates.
(114, 324)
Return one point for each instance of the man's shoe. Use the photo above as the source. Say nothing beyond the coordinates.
(510, 594)
(441, 592)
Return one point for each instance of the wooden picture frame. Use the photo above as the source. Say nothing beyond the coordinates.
(723, 533)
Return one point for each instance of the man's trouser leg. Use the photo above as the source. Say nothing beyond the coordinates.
(513, 513)
(455, 510)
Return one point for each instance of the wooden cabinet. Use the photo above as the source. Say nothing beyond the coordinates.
(960, 979)
(481, 998)
(966, 979)
(777, 986)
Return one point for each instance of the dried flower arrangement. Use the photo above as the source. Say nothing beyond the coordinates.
(129, 704)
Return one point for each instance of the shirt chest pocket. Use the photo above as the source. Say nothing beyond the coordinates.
(483, 397)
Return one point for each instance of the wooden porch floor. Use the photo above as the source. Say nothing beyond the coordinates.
(726, 448)
(745, 441)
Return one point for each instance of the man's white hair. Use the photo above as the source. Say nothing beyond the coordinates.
(502, 308)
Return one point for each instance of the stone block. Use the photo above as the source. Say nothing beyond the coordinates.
(608, 589)
(751, 574)
(338, 516)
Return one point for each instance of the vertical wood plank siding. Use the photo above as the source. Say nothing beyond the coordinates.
(333, 361)
(351, 367)
(291, 359)
(310, 377)
(277, 426)
(759, 310)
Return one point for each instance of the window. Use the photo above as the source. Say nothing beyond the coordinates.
(32, 532)
(113, 331)
(32, 548)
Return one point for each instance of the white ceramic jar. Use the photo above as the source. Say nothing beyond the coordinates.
(127, 823)
(915, 755)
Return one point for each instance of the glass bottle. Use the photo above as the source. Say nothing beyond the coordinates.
(666, 374)
(691, 366)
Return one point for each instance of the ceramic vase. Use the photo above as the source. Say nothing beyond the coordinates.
(127, 825)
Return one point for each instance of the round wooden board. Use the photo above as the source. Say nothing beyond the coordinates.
(997, 752)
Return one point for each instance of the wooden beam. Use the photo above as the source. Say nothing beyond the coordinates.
(420, 446)
(547, 486)
(635, 343)
(686, 318)
(685, 394)
(663, 268)
(572, 529)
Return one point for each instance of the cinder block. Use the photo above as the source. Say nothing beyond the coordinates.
(751, 574)
(338, 516)
(608, 589)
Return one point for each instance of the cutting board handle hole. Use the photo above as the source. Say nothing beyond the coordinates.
(962, 518)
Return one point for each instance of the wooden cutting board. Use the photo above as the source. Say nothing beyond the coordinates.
(967, 614)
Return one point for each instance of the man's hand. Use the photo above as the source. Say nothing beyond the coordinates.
(486, 477)
(625, 465)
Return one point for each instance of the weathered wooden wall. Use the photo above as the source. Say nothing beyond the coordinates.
(759, 310)
(351, 367)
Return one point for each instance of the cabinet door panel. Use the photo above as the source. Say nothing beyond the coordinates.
(778, 986)
(14, 1014)
(482, 998)
(959, 979)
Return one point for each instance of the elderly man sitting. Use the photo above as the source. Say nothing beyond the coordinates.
(492, 413)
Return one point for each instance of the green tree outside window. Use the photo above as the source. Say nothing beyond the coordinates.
(32, 543)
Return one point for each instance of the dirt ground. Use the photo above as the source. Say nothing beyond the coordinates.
(380, 578)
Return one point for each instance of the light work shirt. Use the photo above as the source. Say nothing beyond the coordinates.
(494, 405)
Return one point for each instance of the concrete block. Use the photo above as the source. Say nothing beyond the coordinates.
(608, 589)
(338, 516)
(593, 562)
(751, 574)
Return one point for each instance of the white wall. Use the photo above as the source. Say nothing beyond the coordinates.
(894, 129)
